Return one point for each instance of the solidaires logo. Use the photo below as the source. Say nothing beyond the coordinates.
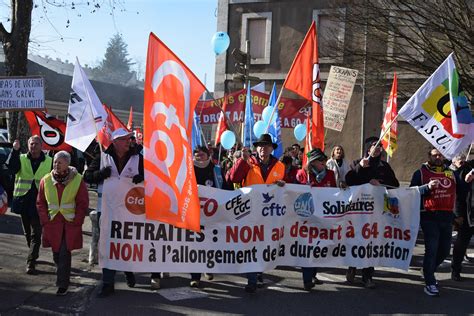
(304, 205)
(135, 200)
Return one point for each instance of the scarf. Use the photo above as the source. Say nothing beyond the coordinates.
(202, 164)
(319, 175)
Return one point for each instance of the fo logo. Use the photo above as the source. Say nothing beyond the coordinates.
(135, 201)
(304, 205)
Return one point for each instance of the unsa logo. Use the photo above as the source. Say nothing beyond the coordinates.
(304, 205)
(135, 200)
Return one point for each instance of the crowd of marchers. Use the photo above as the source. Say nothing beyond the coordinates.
(51, 196)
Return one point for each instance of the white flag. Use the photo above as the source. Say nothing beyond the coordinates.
(86, 115)
(429, 112)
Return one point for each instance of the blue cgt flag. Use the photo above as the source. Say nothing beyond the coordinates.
(248, 137)
(275, 129)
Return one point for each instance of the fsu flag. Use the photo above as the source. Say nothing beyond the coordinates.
(50, 129)
(389, 142)
(111, 124)
(171, 94)
(431, 113)
(304, 79)
(222, 124)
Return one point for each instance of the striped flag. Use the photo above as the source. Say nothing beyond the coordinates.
(389, 142)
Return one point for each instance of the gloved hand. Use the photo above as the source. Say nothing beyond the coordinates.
(105, 172)
(137, 178)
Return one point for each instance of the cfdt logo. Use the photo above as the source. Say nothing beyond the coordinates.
(304, 205)
(135, 201)
(390, 206)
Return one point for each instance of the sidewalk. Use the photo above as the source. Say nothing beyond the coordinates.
(36, 294)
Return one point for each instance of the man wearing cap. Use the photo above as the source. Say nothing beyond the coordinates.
(263, 169)
(119, 160)
(315, 174)
(370, 169)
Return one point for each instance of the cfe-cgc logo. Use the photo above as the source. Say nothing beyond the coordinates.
(304, 205)
(135, 201)
(240, 207)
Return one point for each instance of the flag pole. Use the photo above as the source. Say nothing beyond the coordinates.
(384, 133)
(469, 152)
(274, 109)
(389, 146)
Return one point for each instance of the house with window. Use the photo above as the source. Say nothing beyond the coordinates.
(272, 32)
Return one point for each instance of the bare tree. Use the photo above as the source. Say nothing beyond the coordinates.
(411, 35)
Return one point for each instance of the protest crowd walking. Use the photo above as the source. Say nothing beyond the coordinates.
(174, 202)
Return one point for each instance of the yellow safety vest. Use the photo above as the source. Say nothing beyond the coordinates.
(25, 176)
(67, 207)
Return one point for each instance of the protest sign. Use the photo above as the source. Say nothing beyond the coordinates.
(260, 227)
(22, 93)
(337, 96)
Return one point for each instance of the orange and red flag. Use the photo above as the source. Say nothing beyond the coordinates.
(171, 94)
(304, 79)
(104, 136)
(130, 119)
(389, 141)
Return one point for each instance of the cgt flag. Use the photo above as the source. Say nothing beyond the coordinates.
(429, 112)
(50, 129)
(389, 142)
(171, 94)
(222, 123)
(304, 79)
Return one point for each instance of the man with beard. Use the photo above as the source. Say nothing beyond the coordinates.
(437, 186)
(370, 169)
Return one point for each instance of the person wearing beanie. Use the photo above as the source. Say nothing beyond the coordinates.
(374, 170)
(315, 174)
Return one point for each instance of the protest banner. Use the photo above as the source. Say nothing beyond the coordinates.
(22, 93)
(292, 111)
(337, 96)
(260, 227)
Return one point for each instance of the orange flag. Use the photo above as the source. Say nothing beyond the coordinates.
(304, 79)
(389, 142)
(111, 124)
(221, 124)
(130, 119)
(171, 94)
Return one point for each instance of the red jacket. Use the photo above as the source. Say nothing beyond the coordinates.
(53, 230)
(328, 181)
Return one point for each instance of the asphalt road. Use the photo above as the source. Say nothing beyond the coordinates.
(397, 292)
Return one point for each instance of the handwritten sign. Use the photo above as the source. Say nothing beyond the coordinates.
(337, 96)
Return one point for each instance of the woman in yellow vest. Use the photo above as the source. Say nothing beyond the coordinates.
(62, 205)
(262, 169)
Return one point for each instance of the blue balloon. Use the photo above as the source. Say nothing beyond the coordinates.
(259, 128)
(228, 139)
(300, 132)
(220, 42)
(267, 113)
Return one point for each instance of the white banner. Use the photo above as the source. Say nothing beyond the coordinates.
(337, 96)
(261, 227)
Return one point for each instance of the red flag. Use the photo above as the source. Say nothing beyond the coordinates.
(138, 136)
(304, 79)
(50, 129)
(130, 119)
(222, 124)
(111, 124)
(171, 94)
(389, 142)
